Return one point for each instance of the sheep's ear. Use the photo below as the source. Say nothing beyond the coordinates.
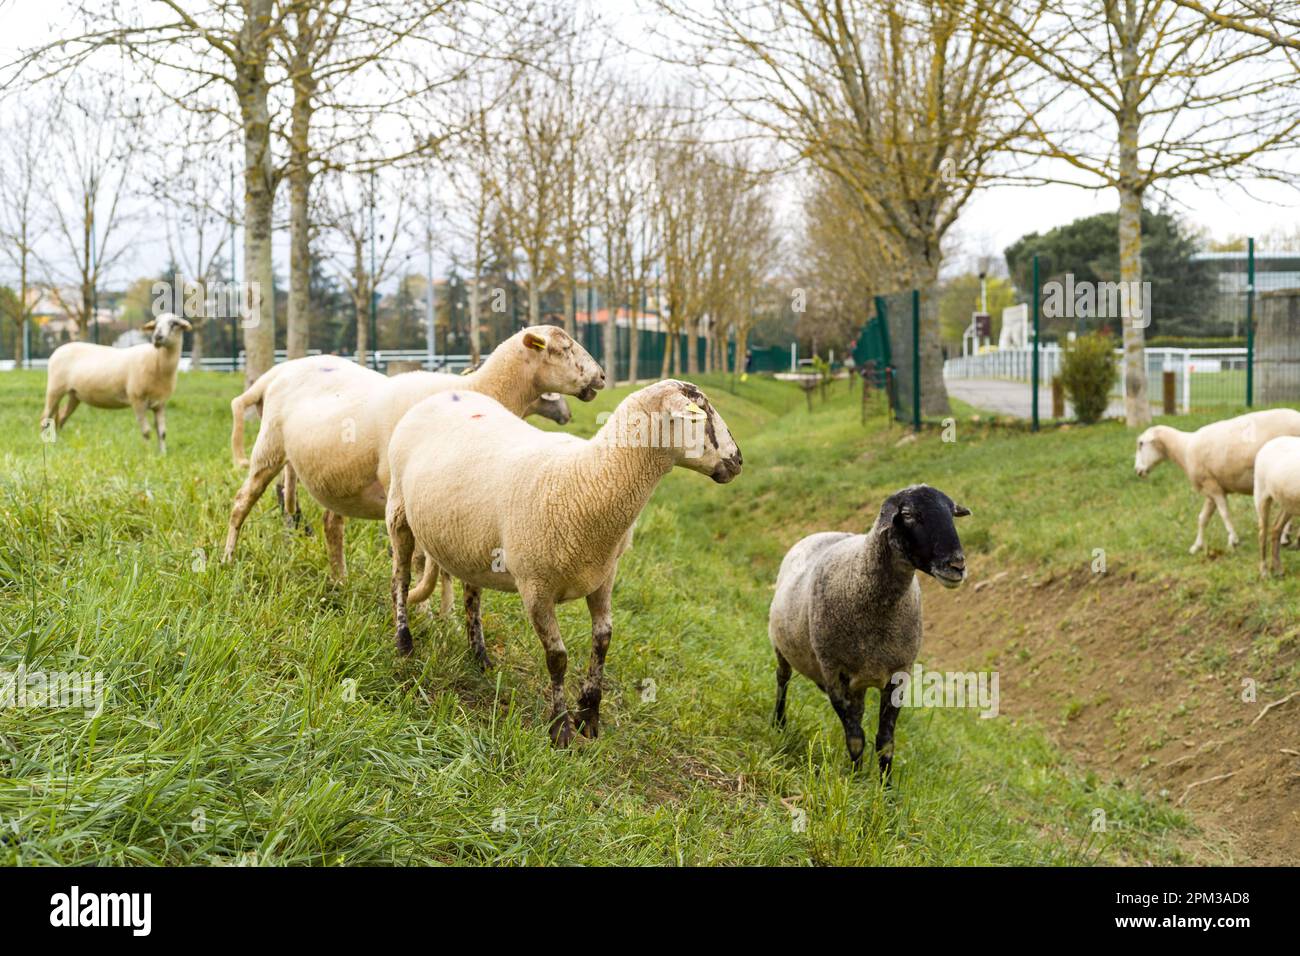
(959, 511)
(534, 341)
(149, 326)
(184, 324)
(690, 412)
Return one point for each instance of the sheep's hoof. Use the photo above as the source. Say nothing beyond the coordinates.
(561, 730)
(587, 721)
(1233, 542)
(484, 661)
(1194, 548)
(404, 643)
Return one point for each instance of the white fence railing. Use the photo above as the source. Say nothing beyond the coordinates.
(222, 363)
(1199, 370)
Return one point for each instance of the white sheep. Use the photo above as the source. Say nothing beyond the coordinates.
(1219, 459)
(1277, 482)
(331, 419)
(847, 608)
(142, 377)
(503, 505)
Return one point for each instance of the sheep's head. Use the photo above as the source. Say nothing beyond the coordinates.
(553, 406)
(166, 329)
(920, 526)
(1150, 451)
(695, 430)
(559, 363)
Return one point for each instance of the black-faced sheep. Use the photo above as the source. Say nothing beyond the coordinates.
(847, 609)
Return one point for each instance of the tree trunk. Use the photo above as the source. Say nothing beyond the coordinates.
(1137, 410)
(692, 346)
(361, 299)
(196, 343)
(633, 345)
(299, 320)
(473, 323)
(611, 336)
(259, 190)
(363, 327)
(534, 302)
(934, 393)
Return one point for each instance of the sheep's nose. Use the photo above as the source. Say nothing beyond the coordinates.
(958, 562)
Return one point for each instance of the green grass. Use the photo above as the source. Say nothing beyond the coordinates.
(231, 733)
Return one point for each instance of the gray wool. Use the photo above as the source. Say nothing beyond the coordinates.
(847, 608)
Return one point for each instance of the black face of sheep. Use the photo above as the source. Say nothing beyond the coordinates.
(921, 527)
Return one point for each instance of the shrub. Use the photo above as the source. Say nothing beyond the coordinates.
(1088, 371)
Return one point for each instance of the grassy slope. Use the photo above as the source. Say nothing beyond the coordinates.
(228, 735)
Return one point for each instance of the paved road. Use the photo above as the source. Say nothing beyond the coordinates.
(1013, 398)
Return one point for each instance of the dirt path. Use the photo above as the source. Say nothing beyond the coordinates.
(1144, 690)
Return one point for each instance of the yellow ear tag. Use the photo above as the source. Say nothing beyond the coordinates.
(697, 413)
(539, 344)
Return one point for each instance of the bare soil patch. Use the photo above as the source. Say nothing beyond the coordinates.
(1146, 689)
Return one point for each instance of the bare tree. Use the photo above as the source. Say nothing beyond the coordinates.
(189, 182)
(1187, 100)
(906, 103)
(366, 249)
(23, 207)
(1276, 22)
(86, 183)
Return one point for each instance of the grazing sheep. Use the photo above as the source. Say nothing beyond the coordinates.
(847, 609)
(551, 406)
(1219, 459)
(1277, 482)
(142, 376)
(331, 419)
(500, 504)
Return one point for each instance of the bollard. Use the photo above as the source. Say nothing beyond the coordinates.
(1171, 406)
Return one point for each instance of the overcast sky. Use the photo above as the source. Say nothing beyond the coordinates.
(992, 221)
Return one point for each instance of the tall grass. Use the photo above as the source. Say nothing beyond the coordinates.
(258, 714)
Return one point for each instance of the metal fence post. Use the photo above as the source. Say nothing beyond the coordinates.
(1034, 378)
(1250, 323)
(916, 359)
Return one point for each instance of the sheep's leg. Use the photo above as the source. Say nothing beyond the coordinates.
(160, 427)
(287, 492)
(542, 612)
(399, 532)
(68, 409)
(782, 680)
(1221, 502)
(139, 410)
(885, 732)
(448, 597)
(849, 705)
(1263, 504)
(473, 622)
(1207, 509)
(1277, 544)
(259, 477)
(599, 605)
(51, 411)
(334, 545)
